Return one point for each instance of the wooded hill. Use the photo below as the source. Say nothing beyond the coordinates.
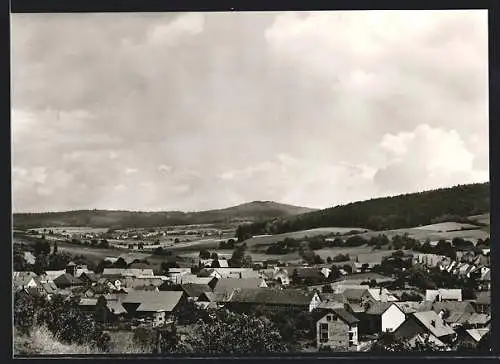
(403, 211)
(252, 211)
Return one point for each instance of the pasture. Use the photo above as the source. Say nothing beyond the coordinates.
(265, 240)
(446, 227)
(481, 219)
(73, 230)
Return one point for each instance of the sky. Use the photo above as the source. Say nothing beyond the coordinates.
(196, 111)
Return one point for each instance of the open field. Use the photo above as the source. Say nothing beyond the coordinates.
(446, 226)
(482, 219)
(422, 234)
(266, 240)
(73, 230)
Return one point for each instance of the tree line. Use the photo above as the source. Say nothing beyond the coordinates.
(403, 211)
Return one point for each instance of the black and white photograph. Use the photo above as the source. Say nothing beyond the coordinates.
(250, 183)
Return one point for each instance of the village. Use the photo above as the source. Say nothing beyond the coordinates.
(409, 298)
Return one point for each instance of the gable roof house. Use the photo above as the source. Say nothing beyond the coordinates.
(50, 275)
(383, 317)
(157, 307)
(244, 300)
(337, 329)
(427, 323)
(230, 284)
(89, 278)
(22, 280)
(193, 290)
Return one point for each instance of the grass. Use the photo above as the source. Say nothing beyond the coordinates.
(41, 342)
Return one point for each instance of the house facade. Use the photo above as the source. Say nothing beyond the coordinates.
(337, 330)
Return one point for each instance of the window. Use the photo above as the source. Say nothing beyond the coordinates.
(324, 335)
(323, 327)
(329, 318)
(351, 336)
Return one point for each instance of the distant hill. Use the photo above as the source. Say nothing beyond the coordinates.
(403, 211)
(252, 211)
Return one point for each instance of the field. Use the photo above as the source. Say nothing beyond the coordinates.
(73, 230)
(266, 240)
(422, 234)
(482, 219)
(446, 226)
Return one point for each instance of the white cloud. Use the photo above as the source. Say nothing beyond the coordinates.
(165, 168)
(168, 34)
(426, 158)
(129, 171)
(313, 108)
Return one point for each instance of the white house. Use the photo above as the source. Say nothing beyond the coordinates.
(384, 317)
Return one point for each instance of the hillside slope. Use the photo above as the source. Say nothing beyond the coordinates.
(403, 211)
(251, 211)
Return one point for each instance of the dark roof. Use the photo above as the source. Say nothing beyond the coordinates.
(291, 297)
(67, 278)
(378, 308)
(308, 273)
(154, 301)
(91, 276)
(453, 306)
(194, 289)
(71, 264)
(353, 294)
(230, 284)
(50, 287)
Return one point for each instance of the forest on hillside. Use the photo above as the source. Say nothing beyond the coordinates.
(403, 211)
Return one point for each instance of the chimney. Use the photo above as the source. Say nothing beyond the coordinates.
(433, 323)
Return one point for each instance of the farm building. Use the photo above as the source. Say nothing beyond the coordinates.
(158, 307)
(245, 300)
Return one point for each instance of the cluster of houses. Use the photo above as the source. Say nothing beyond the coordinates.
(351, 316)
(467, 265)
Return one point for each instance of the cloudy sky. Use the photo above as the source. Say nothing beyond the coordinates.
(193, 111)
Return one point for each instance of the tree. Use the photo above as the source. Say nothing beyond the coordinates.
(19, 263)
(41, 264)
(232, 333)
(214, 256)
(204, 254)
(101, 310)
(329, 260)
(41, 247)
(55, 248)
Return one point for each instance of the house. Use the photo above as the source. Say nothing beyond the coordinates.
(67, 280)
(357, 299)
(193, 290)
(337, 329)
(22, 280)
(483, 302)
(49, 289)
(157, 307)
(228, 273)
(411, 306)
(191, 278)
(244, 300)
(383, 317)
(50, 275)
(307, 275)
(89, 278)
(427, 323)
(382, 295)
(485, 280)
(141, 281)
(453, 307)
(230, 284)
(443, 294)
(471, 337)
